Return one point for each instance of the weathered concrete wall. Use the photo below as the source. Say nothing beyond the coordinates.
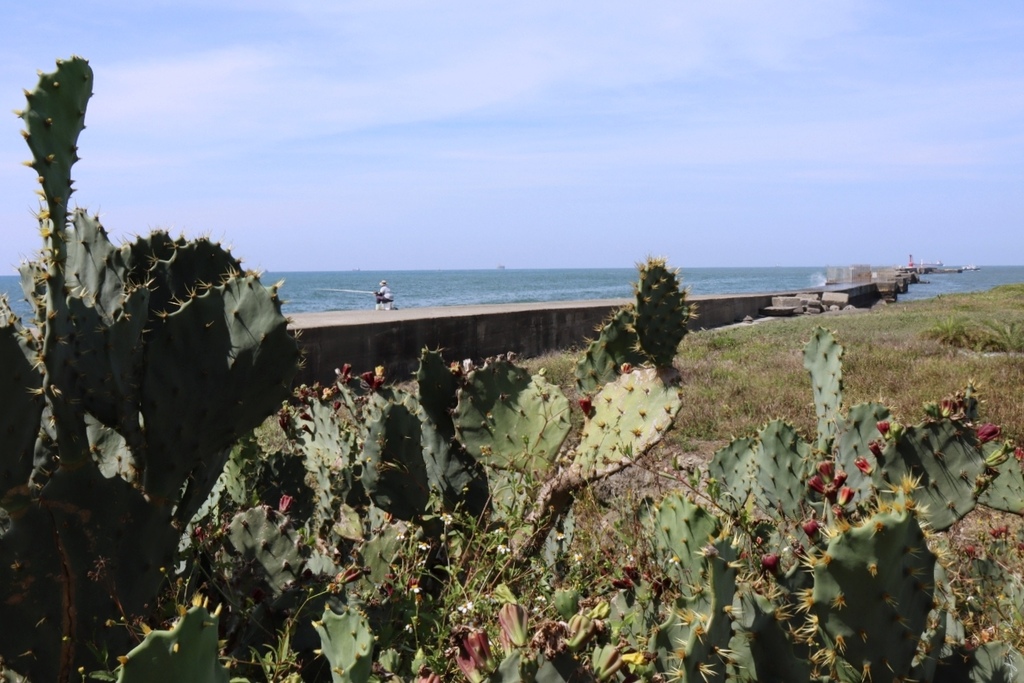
(394, 339)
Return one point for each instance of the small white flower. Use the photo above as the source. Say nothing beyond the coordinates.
(674, 560)
(466, 609)
(423, 547)
(577, 558)
(447, 519)
(629, 559)
(400, 537)
(416, 590)
(503, 549)
(408, 627)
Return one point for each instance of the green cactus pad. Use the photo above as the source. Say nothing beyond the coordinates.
(186, 652)
(770, 471)
(873, 592)
(507, 419)
(347, 643)
(662, 312)
(944, 458)
(763, 647)
(1006, 490)
(394, 474)
(268, 549)
(823, 359)
(994, 662)
(20, 395)
(854, 435)
(54, 118)
(629, 416)
(616, 345)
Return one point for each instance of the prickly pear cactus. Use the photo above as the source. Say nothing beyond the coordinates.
(616, 345)
(823, 359)
(188, 651)
(873, 591)
(347, 643)
(510, 420)
(770, 472)
(175, 352)
(629, 416)
(661, 312)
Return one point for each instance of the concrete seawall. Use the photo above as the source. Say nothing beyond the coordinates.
(394, 339)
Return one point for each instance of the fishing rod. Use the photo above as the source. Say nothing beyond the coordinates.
(348, 291)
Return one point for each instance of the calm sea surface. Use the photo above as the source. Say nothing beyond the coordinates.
(306, 292)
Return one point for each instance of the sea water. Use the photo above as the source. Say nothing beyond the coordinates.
(306, 292)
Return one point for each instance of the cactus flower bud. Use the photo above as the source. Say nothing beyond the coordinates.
(607, 662)
(845, 495)
(883, 428)
(947, 407)
(285, 503)
(826, 469)
(875, 448)
(770, 563)
(474, 656)
(998, 456)
(987, 432)
(863, 465)
(811, 527)
(586, 405)
(626, 368)
(895, 430)
(581, 628)
(932, 410)
(429, 677)
(839, 479)
(815, 483)
(513, 621)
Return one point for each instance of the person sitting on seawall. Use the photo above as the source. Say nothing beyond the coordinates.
(385, 299)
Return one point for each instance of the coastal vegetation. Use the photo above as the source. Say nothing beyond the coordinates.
(634, 510)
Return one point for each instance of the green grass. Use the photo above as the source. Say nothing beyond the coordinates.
(736, 379)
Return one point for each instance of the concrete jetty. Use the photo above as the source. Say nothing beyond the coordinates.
(394, 339)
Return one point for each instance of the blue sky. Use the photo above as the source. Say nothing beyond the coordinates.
(386, 134)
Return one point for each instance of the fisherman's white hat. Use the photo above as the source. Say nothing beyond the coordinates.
(383, 282)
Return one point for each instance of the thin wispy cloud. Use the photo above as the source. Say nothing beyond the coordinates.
(285, 127)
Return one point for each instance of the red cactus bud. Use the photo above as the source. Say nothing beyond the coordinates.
(863, 465)
(513, 622)
(428, 677)
(999, 531)
(948, 407)
(284, 503)
(845, 495)
(770, 563)
(816, 484)
(883, 428)
(875, 448)
(839, 479)
(349, 575)
(586, 405)
(811, 527)
(626, 368)
(1018, 453)
(474, 656)
(826, 469)
(987, 432)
